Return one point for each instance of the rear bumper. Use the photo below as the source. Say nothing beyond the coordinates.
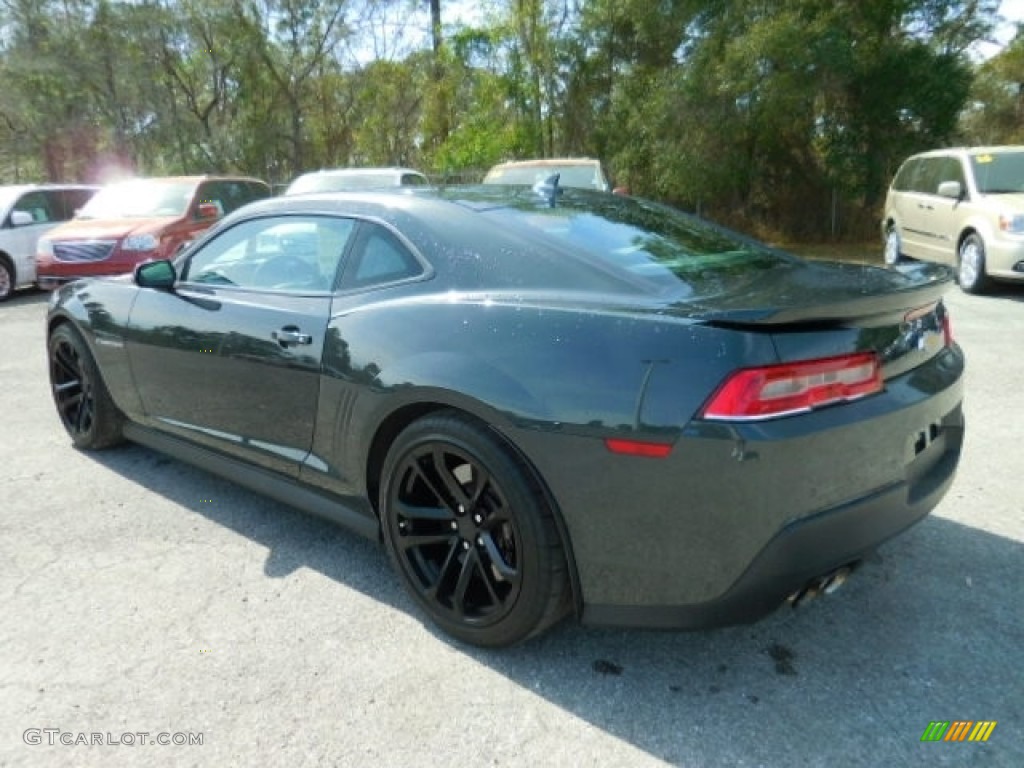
(740, 516)
(804, 550)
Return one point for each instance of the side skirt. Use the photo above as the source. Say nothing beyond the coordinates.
(265, 483)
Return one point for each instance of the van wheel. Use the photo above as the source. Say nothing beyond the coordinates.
(892, 254)
(971, 265)
(6, 279)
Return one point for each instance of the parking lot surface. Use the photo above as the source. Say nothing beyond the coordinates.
(146, 601)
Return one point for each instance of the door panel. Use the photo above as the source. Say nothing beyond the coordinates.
(232, 369)
(231, 358)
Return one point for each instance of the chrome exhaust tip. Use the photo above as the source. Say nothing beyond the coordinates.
(821, 585)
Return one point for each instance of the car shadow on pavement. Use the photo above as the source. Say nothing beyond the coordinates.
(27, 297)
(930, 628)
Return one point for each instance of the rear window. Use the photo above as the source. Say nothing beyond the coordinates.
(998, 173)
(659, 250)
(582, 176)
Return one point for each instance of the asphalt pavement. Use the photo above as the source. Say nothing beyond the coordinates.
(143, 600)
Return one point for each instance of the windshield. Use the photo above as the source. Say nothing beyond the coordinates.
(998, 172)
(580, 176)
(140, 199)
(668, 253)
(329, 182)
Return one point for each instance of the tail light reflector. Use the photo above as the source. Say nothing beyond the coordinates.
(780, 390)
(638, 448)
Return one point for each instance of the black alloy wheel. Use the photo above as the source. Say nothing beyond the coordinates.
(83, 403)
(471, 534)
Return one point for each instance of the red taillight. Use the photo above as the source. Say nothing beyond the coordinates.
(947, 330)
(638, 448)
(780, 390)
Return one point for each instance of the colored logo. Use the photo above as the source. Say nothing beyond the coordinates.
(958, 730)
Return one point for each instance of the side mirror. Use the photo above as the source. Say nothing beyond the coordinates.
(622, 191)
(158, 274)
(951, 189)
(21, 219)
(208, 210)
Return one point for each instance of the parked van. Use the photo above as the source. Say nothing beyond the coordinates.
(135, 221)
(963, 207)
(27, 212)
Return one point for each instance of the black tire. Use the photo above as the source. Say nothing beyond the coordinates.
(970, 266)
(83, 402)
(471, 533)
(891, 253)
(7, 278)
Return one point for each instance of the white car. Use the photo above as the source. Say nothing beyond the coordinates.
(26, 213)
(348, 179)
(580, 172)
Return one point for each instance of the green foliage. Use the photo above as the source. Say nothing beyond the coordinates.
(782, 116)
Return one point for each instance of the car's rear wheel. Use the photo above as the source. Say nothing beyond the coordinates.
(6, 278)
(471, 533)
(892, 254)
(83, 402)
(971, 265)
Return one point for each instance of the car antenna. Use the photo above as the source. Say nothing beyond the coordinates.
(548, 189)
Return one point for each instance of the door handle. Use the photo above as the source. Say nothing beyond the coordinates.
(291, 335)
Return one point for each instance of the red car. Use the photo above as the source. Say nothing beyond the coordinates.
(134, 221)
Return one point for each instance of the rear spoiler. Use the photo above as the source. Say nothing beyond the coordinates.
(930, 282)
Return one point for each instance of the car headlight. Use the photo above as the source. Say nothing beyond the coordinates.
(44, 247)
(1012, 223)
(140, 243)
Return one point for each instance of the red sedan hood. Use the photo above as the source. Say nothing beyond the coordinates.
(110, 229)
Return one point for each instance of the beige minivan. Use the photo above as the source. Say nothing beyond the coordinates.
(962, 206)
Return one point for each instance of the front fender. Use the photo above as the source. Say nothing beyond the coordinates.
(99, 310)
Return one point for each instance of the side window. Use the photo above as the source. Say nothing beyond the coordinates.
(37, 205)
(378, 257)
(951, 170)
(209, 192)
(73, 200)
(412, 180)
(926, 180)
(299, 253)
(229, 196)
(904, 177)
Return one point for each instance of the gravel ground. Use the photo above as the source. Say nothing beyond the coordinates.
(142, 595)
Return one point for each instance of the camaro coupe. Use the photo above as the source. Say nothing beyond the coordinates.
(545, 402)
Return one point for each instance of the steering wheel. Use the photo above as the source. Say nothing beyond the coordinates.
(285, 269)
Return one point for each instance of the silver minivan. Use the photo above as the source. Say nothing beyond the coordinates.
(961, 206)
(27, 212)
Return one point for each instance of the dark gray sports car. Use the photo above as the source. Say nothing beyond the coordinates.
(543, 401)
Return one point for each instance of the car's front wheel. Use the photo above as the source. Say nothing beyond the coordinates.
(83, 402)
(471, 533)
(971, 265)
(891, 254)
(6, 278)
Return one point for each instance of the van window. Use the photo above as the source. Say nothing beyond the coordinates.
(905, 176)
(38, 205)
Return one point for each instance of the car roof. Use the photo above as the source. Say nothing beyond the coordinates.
(548, 162)
(189, 179)
(995, 150)
(46, 185)
(383, 171)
